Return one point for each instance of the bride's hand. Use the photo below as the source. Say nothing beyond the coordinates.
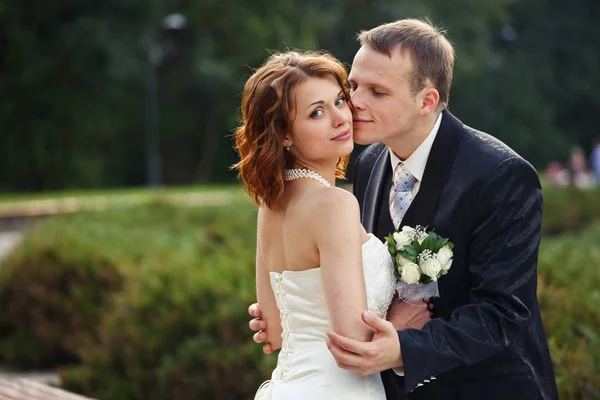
(404, 315)
(259, 326)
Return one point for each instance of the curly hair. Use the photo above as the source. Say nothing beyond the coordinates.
(267, 106)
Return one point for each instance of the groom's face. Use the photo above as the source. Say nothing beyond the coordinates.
(385, 109)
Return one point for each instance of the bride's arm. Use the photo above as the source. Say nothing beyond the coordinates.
(339, 237)
(266, 301)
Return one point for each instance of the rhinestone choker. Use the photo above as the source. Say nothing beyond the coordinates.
(297, 173)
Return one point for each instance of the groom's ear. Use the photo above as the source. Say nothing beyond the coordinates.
(430, 99)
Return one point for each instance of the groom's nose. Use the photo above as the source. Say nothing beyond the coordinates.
(357, 99)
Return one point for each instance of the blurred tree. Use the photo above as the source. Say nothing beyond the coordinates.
(72, 78)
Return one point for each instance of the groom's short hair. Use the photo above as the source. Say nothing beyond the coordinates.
(430, 51)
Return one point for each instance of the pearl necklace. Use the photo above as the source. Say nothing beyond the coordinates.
(297, 173)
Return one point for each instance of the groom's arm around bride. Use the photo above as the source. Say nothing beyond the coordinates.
(487, 336)
(486, 340)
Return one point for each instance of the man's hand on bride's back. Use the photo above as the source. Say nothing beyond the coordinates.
(259, 327)
(403, 315)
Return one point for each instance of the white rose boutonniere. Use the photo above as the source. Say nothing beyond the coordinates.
(420, 258)
(402, 239)
(430, 267)
(411, 273)
(444, 256)
(401, 261)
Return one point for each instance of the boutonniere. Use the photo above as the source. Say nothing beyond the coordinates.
(420, 258)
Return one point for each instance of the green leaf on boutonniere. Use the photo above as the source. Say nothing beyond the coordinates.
(439, 244)
(410, 249)
(392, 249)
(391, 245)
(395, 266)
(428, 243)
(450, 245)
(390, 239)
(417, 246)
(411, 256)
(425, 279)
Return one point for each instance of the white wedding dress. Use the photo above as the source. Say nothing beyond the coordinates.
(305, 367)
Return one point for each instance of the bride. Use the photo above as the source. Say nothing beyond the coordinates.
(316, 267)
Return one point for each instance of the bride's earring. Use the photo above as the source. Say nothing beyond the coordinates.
(287, 148)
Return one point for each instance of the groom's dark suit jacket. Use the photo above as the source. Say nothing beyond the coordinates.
(486, 340)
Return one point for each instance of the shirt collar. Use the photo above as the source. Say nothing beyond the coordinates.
(417, 161)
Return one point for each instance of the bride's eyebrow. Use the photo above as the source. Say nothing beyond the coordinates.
(322, 102)
(316, 102)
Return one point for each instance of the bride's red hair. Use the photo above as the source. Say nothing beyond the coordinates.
(267, 106)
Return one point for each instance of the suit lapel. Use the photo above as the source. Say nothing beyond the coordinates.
(437, 171)
(375, 190)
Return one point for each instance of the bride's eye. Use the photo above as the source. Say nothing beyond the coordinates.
(340, 101)
(316, 113)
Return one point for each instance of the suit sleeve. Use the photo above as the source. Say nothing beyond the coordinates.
(503, 266)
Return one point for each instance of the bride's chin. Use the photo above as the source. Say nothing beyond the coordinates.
(346, 149)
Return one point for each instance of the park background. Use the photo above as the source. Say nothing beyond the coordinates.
(128, 260)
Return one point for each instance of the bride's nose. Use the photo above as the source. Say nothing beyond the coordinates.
(340, 117)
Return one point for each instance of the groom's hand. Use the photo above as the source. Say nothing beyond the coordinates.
(405, 315)
(365, 358)
(259, 326)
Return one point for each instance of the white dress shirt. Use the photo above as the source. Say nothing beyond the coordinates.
(415, 163)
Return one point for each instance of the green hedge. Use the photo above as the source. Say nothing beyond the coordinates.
(569, 209)
(178, 332)
(54, 289)
(55, 286)
(171, 324)
(569, 294)
(151, 302)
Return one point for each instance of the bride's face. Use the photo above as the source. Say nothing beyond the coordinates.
(321, 131)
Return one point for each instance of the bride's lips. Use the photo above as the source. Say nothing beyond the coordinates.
(347, 134)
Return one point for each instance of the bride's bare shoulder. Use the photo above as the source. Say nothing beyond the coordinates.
(329, 204)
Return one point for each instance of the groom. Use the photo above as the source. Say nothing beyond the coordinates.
(425, 167)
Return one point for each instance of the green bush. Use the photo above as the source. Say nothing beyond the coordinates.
(56, 285)
(569, 209)
(569, 292)
(180, 329)
(179, 332)
(53, 290)
(151, 302)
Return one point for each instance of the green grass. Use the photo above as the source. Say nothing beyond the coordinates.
(90, 200)
(129, 191)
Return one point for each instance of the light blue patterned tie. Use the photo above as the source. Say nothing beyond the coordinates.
(401, 195)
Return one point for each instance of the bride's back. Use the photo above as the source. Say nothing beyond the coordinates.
(285, 236)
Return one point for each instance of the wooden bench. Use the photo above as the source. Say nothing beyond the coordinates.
(23, 389)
